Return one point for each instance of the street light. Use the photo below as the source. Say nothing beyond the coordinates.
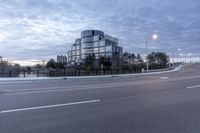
(179, 49)
(154, 37)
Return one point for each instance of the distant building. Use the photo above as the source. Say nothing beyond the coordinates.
(62, 59)
(94, 42)
(1, 58)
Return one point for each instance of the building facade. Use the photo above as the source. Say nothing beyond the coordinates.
(94, 42)
(62, 59)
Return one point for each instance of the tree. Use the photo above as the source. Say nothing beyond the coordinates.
(140, 58)
(159, 59)
(38, 66)
(51, 64)
(59, 65)
(106, 62)
(89, 62)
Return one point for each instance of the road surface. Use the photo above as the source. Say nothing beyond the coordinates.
(162, 103)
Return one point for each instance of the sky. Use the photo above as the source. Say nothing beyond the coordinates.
(35, 30)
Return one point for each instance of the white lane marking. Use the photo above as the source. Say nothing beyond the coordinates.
(19, 82)
(49, 106)
(191, 87)
(164, 77)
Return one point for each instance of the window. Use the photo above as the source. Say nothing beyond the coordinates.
(87, 51)
(78, 47)
(73, 53)
(108, 48)
(87, 45)
(102, 49)
(77, 52)
(97, 56)
(78, 41)
(102, 43)
(86, 33)
(96, 38)
(102, 54)
(96, 50)
(96, 44)
(87, 39)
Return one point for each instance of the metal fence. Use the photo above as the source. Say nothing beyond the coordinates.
(60, 73)
(77, 72)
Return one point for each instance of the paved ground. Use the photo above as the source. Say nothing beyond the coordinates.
(163, 103)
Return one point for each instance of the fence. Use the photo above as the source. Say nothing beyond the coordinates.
(60, 73)
(77, 72)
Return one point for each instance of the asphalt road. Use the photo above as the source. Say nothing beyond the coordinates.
(162, 103)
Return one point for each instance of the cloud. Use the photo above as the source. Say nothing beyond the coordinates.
(32, 29)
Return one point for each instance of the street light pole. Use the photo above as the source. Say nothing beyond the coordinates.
(178, 55)
(147, 61)
(173, 60)
(154, 37)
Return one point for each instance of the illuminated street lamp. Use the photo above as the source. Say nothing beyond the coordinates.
(154, 37)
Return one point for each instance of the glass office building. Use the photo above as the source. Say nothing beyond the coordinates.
(94, 42)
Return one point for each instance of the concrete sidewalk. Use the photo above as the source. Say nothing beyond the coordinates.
(83, 77)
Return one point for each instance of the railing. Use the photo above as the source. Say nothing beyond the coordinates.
(60, 73)
(77, 72)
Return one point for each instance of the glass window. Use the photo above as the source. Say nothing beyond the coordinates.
(117, 49)
(87, 39)
(87, 51)
(97, 56)
(96, 44)
(78, 41)
(102, 54)
(78, 57)
(108, 54)
(108, 42)
(96, 50)
(102, 49)
(77, 52)
(87, 45)
(73, 53)
(108, 48)
(102, 43)
(78, 47)
(96, 38)
(86, 33)
(73, 57)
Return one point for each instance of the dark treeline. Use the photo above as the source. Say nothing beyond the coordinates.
(128, 61)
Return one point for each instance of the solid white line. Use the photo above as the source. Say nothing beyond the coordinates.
(49, 106)
(191, 87)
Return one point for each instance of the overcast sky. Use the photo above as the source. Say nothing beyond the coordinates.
(42, 29)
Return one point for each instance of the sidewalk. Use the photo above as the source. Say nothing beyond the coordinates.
(83, 77)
